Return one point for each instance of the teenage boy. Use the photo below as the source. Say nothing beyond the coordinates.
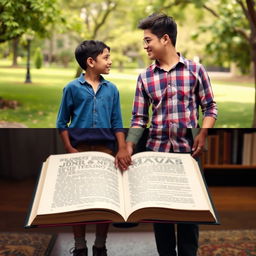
(92, 102)
(175, 88)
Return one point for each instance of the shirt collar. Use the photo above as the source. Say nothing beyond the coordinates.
(83, 81)
(181, 60)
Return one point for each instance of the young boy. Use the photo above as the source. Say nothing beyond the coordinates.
(175, 87)
(92, 102)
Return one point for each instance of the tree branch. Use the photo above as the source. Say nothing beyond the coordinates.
(250, 14)
(106, 14)
(176, 2)
(243, 33)
(251, 11)
(211, 11)
(240, 2)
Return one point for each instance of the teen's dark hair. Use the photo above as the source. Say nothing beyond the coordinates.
(160, 24)
(89, 48)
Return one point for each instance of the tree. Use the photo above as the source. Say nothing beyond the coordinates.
(95, 15)
(19, 16)
(233, 30)
(235, 35)
(38, 58)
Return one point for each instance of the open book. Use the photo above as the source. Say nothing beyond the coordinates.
(86, 187)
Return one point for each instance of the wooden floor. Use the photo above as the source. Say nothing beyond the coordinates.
(235, 205)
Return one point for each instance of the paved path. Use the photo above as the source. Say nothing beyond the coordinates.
(4, 124)
(126, 244)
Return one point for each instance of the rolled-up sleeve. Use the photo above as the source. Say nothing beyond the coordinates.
(205, 94)
(64, 114)
(140, 116)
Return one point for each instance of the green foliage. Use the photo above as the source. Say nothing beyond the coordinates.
(65, 57)
(227, 44)
(18, 16)
(223, 26)
(38, 58)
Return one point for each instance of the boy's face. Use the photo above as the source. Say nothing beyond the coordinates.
(153, 45)
(103, 62)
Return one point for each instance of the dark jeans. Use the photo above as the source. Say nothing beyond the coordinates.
(187, 239)
(187, 234)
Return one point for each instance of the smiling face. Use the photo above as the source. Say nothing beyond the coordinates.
(103, 62)
(153, 45)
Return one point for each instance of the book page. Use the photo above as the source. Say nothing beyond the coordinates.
(164, 180)
(38, 194)
(79, 181)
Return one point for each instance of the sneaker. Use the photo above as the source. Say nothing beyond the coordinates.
(99, 251)
(79, 252)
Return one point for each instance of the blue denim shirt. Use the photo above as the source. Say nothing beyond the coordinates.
(81, 107)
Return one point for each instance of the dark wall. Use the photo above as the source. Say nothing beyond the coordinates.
(22, 151)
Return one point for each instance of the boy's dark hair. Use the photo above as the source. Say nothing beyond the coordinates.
(89, 48)
(160, 24)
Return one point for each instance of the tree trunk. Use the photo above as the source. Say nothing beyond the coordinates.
(121, 66)
(254, 111)
(51, 49)
(78, 72)
(15, 43)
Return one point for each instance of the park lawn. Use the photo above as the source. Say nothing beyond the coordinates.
(39, 101)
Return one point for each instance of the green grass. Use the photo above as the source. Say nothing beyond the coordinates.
(39, 101)
(236, 82)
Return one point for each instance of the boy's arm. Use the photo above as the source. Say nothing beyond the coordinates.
(123, 158)
(116, 116)
(66, 141)
(64, 113)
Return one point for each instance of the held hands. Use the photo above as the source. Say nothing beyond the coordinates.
(123, 157)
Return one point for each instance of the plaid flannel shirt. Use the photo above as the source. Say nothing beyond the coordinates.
(175, 96)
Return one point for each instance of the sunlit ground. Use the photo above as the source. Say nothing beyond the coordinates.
(39, 101)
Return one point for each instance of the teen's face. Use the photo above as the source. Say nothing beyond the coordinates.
(153, 45)
(103, 62)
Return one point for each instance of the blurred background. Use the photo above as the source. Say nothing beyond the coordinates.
(38, 38)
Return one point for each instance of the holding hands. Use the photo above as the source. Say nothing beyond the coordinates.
(123, 157)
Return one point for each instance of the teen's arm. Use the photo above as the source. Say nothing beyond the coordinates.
(208, 122)
(140, 116)
(199, 142)
(123, 158)
(66, 141)
(200, 139)
(205, 95)
(134, 134)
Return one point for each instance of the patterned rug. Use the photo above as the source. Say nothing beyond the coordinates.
(26, 244)
(228, 243)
